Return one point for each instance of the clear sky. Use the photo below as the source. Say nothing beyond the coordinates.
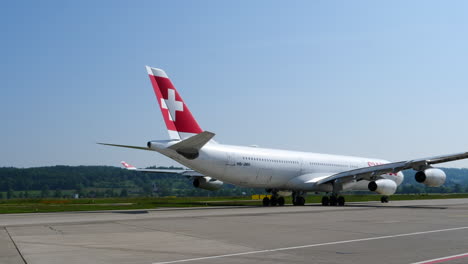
(384, 79)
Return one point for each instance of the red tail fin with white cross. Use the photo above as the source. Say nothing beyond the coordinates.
(178, 118)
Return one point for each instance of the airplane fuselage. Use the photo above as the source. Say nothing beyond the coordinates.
(276, 169)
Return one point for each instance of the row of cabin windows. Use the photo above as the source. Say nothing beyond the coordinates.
(271, 160)
(333, 164)
(296, 162)
(328, 164)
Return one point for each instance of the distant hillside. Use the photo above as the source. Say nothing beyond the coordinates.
(105, 181)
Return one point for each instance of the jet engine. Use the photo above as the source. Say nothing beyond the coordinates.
(207, 183)
(383, 186)
(431, 177)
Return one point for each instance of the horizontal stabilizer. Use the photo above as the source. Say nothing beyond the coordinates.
(125, 146)
(190, 147)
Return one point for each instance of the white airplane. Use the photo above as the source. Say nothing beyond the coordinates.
(280, 172)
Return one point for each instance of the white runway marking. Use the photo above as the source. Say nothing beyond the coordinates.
(312, 245)
(444, 259)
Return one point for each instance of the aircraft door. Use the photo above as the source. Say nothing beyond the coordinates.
(264, 176)
(239, 171)
(231, 160)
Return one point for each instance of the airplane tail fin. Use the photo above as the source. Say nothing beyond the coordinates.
(127, 166)
(179, 120)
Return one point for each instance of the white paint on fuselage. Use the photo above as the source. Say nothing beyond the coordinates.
(272, 168)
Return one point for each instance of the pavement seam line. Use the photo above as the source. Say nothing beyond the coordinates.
(16, 246)
(311, 245)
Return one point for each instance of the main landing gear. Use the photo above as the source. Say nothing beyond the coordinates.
(274, 200)
(298, 198)
(333, 200)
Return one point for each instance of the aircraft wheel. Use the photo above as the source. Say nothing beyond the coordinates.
(300, 200)
(325, 201)
(273, 201)
(266, 201)
(341, 201)
(333, 200)
(281, 201)
(384, 199)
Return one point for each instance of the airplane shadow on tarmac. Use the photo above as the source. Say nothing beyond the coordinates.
(362, 206)
(389, 206)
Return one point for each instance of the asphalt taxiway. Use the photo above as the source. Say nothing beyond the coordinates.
(398, 232)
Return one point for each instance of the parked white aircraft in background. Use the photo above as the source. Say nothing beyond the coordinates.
(278, 171)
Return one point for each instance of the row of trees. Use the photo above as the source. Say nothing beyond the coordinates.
(420, 188)
(101, 181)
(105, 181)
(46, 193)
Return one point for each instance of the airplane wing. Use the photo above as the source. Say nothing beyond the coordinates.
(370, 173)
(183, 172)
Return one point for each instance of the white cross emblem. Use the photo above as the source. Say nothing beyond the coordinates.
(171, 104)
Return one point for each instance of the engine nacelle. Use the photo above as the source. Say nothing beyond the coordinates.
(207, 183)
(383, 186)
(431, 177)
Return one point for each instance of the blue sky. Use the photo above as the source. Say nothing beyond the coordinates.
(384, 79)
